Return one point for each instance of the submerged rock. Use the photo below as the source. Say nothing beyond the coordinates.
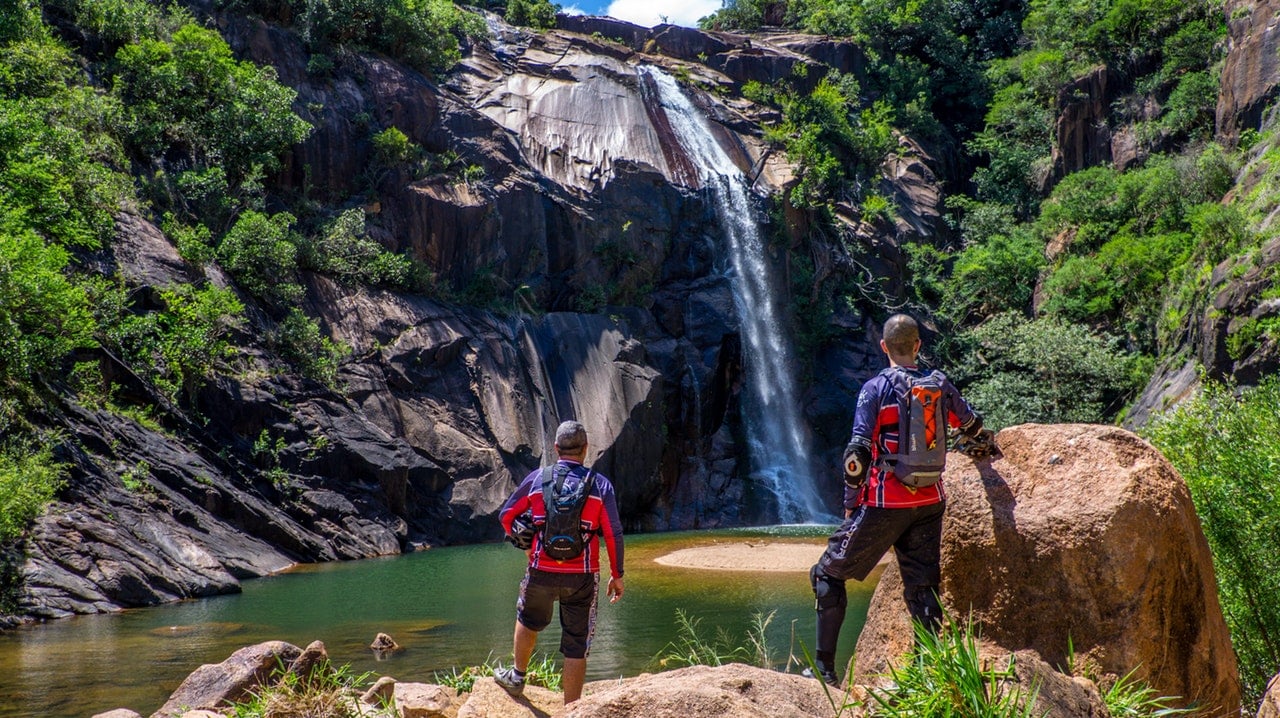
(216, 685)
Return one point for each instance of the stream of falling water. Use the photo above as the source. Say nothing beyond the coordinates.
(779, 444)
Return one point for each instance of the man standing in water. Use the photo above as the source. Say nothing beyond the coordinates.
(887, 504)
(555, 573)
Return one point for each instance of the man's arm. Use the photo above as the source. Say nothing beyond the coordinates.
(858, 453)
(611, 528)
(517, 503)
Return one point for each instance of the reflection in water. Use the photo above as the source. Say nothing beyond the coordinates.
(446, 607)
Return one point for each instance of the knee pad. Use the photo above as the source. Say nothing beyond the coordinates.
(829, 592)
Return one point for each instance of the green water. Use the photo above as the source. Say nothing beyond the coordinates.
(447, 607)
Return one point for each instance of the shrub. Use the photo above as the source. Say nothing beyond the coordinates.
(29, 481)
(424, 33)
(540, 14)
(345, 250)
(1045, 371)
(1225, 444)
(261, 253)
(191, 98)
(43, 315)
(300, 342)
(994, 276)
(179, 346)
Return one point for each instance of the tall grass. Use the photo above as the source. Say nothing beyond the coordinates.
(945, 677)
(692, 646)
(1226, 444)
(328, 692)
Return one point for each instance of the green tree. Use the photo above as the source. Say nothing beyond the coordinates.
(1226, 444)
(261, 253)
(43, 315)
(1045, 370)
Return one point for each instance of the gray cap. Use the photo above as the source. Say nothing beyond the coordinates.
(571, 436)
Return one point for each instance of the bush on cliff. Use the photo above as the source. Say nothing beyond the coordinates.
(29, 480)
(1226, 444)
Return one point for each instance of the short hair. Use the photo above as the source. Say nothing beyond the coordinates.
(571, 437)
(901, 334)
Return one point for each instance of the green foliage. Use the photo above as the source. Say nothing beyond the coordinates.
(345, 251)
(392, 147)
(538, 14)
(945, 677)
(996, 276)
(1225, 444)
(116, 23)
(261, 253)
(29, 481)
(692, 648)
(192, 99)
(55, 154)
(827, 135)
(542, 671)
(178, 346)
(1129, 697)
(423, 33)
(43, 315)
(300, 342)
(1046, 371)
(326, 692)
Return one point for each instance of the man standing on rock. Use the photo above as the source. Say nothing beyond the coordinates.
(885, 504)
(574, 582)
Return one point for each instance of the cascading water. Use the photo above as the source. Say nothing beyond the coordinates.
(779, 445)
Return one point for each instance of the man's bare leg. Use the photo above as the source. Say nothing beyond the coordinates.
(525, 641)
(574, 675)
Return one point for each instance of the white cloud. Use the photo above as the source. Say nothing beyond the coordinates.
(653, 12)
(573, 10)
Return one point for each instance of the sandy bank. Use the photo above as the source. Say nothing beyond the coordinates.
(747, 556)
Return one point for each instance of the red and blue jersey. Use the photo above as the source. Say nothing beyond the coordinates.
(876, 421)
(599, 516)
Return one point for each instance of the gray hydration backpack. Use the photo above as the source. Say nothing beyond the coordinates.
(562, 536)
(922, 428)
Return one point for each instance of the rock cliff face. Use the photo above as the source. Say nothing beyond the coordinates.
(578, 193)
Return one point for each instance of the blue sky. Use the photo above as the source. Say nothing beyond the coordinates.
(645, 12)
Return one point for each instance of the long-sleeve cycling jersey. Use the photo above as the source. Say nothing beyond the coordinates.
(599, 517)
(875, 422)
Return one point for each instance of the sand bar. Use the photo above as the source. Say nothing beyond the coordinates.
(747, 556)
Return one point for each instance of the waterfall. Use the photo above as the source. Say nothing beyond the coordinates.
(778, 443)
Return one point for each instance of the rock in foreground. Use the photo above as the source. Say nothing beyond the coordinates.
(732, 691)
(1079, 536)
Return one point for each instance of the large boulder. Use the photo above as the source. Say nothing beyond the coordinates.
(1270, 707)
(1080, 536)
(730, 691)
(216, 685)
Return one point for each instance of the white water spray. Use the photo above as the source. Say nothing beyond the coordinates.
(779, 445)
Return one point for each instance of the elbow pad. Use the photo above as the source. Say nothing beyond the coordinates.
(857, 460)
(972, 427)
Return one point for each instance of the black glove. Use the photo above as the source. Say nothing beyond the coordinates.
(981, 445)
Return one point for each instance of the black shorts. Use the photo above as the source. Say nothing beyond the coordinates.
(862, 540)
(576, 593)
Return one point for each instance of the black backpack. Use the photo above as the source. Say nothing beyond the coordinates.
(562, 536)
(922, 428)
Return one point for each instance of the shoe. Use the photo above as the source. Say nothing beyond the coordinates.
(510, 681)
(828, 676)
